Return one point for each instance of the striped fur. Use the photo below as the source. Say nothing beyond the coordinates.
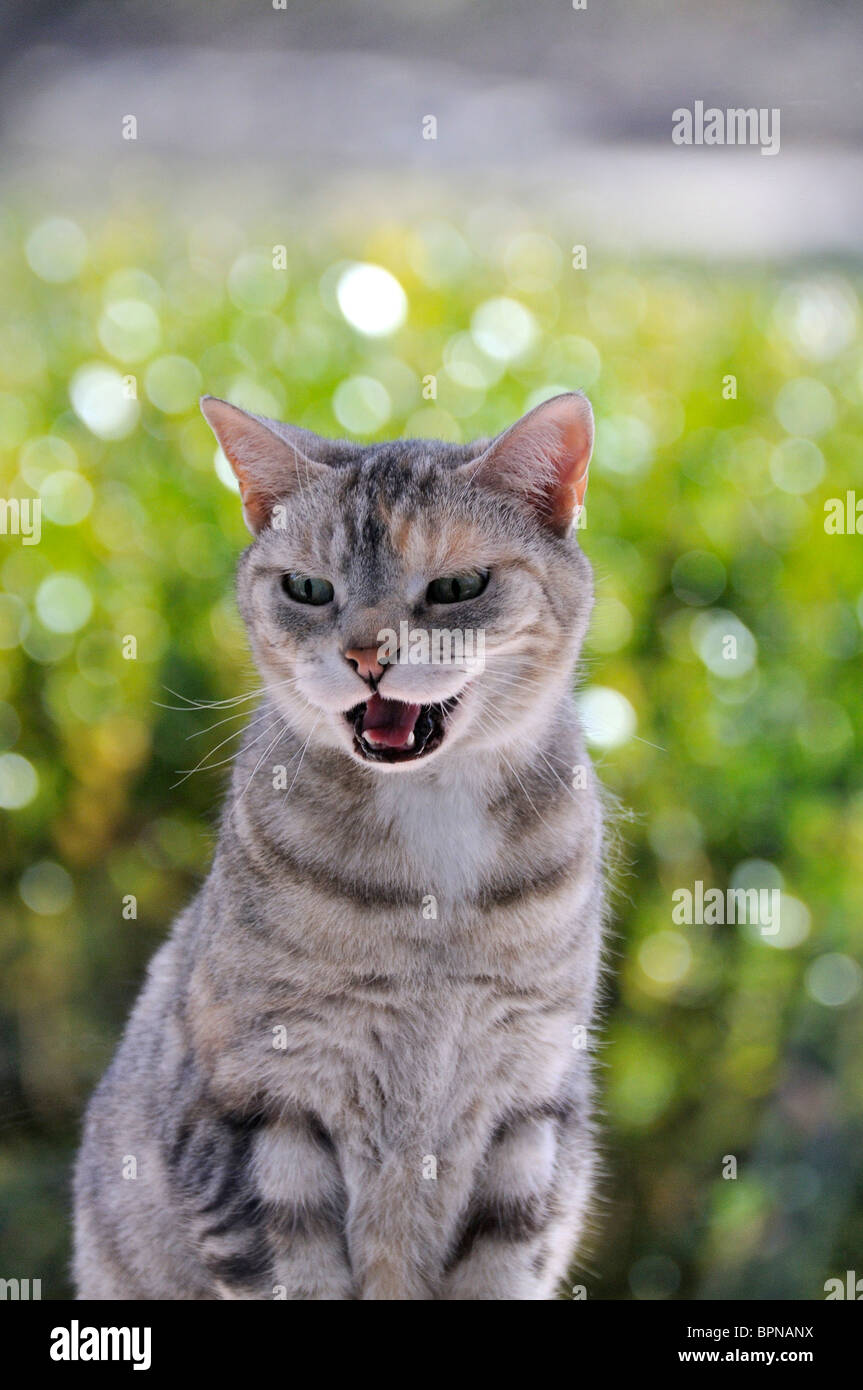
(329, 1091)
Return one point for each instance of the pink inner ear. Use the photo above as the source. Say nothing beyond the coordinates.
(544, 458)
(236, 434)
(264, 463)
(255, 507)
(571, 465)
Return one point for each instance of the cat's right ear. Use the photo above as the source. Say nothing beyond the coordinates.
(268, 466)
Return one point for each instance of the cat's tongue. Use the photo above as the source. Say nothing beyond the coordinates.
(389, 722)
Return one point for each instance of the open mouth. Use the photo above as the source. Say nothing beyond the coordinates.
(392, 731)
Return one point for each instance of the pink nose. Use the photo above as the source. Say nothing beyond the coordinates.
(365, 661)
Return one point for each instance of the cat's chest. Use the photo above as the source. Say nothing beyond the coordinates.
(442, 840)
(388, 1058)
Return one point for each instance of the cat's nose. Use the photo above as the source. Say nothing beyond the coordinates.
(365, 662)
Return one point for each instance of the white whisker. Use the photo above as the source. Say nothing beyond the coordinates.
(302, 756)
(270, 746)
(203, 764)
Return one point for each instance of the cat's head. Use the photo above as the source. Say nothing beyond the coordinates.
(410, 599)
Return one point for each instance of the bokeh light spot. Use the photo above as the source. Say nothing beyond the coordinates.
(67, 497)
(63, 603)
(130, 330)
(504, 329)
(362, 405)
(724, 643)
(834, 980)
(608, 717)
(173, 384)
(18, 781)
(371, 299)
(100, 399)
(46, 888)
(56, 250)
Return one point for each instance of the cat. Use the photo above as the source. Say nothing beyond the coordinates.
(360, 1067)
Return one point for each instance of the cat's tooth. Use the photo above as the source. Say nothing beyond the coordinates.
(411, 740)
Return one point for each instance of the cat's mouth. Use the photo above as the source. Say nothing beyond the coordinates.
(393, 731)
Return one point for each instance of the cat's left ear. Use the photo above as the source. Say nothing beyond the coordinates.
(542, 459)
(270, 460)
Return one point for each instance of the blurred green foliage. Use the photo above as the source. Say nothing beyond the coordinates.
(705, 521)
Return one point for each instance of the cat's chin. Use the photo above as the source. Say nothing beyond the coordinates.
(394, 733)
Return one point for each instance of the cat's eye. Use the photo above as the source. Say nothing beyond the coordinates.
(456, 588)
(304, 588)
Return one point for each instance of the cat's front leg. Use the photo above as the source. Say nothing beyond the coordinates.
(515, 1236)
(264, 1205)
(304, 1204)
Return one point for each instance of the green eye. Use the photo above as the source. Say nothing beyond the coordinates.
(456, 588)
(303, 589)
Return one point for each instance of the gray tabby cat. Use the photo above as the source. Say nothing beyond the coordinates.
(358, 1067)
